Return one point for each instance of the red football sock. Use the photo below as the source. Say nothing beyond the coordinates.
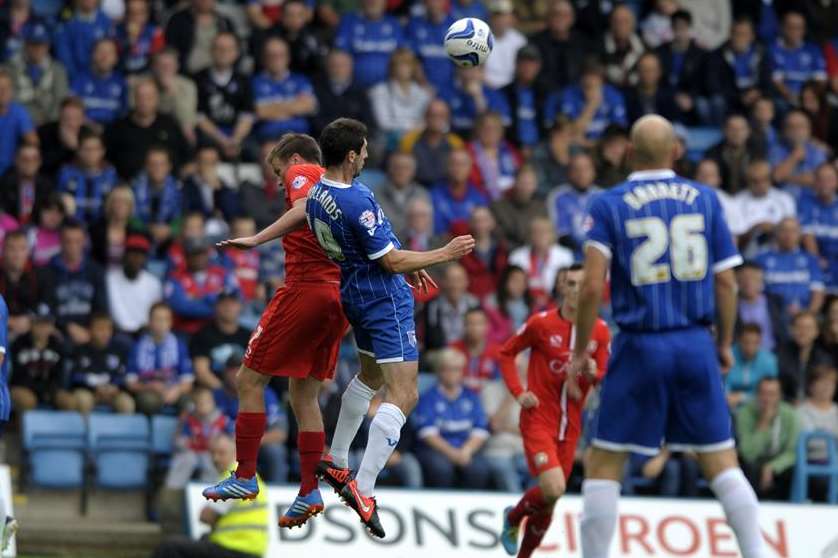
(533, 533)
(530, 503)
(310, 445)
(250, 427)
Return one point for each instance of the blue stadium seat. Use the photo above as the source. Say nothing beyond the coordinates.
(120, 448)
(700, 139)
(373, 178)
(163, 434)
(55, 443)
(804, 469)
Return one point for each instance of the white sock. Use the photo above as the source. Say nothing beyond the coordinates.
(742, 510)
(385, 431)
(354, 405)
(599, 516)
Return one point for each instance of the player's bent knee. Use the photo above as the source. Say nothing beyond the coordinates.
(552, 485)
(716, 462)
(249, 380)
(605, 464)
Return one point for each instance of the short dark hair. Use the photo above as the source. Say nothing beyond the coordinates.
(341, 137)
(681, 15)
(766, 379)
(72, 224)
(159, 306)
(100, 317)
(302, 144)
(85, 135)
(474, 310)
(576, 266)
(751, 328)
(14, 235)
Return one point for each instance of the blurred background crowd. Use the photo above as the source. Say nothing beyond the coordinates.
(133, 134)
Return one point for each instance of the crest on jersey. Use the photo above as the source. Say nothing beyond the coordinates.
(587, 223)
(298, 182)
(541, 458)
(556, 340)
(411, 337)
(367, 220)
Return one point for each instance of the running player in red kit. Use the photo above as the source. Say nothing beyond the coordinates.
(551, 417)
(298, 336)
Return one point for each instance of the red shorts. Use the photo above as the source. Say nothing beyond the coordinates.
(542, 446)
(299, 333)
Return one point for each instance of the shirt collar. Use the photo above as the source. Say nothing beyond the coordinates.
(656, 174)
(334, 183)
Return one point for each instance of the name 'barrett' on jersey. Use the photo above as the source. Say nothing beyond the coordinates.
(353, 231)
(666, 237)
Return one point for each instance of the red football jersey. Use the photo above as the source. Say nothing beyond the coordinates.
(304, 258)
(551, 338)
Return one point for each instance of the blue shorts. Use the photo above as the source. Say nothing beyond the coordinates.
(384, 329)
(663, 388)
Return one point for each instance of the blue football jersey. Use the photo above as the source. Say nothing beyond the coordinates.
(666, 236)
(354, 232)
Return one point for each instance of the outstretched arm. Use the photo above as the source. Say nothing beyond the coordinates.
(408, 261)
(290, 221)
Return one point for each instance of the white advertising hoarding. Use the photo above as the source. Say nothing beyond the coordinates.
(466, 525)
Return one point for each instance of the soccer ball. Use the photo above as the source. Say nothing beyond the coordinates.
(468, 42)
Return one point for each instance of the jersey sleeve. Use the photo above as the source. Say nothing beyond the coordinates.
(600, 229)
(298, 180)
(522, 339)
(367, 222)
(724, 253)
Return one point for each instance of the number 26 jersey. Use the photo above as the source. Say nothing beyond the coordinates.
(666, 237)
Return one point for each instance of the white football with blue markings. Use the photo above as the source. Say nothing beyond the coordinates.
(469, 42)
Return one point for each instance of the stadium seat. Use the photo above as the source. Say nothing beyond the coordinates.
(120, 447)
(700, 139)
(249, 172)
(162, 434)
(373, 178)
(54, 442)
(804, 469)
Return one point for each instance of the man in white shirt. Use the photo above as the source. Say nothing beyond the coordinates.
(500, 67)
(761, 207)
(131, 289)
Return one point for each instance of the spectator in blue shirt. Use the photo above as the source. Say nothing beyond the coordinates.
(15, 124)
(568, 204)
(102, 88)
(525, 96)
(795, 157)
(75, 38)
(790, 272)
(425, 34)
(159, 369)
(751, 363)
(455, 198)
(273, 455)
(89, 179)
(469, 97)
(592, 105)
(282, 100)
(370, 37)
(469, 8)
(157, 195)
(795, 61)
(818, 214)
(452, 427)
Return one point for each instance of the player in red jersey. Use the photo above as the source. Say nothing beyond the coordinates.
(551, 417)
(298, 336)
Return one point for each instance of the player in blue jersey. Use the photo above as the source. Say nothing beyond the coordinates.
(671, 258)
(8, 526)
(354, 232)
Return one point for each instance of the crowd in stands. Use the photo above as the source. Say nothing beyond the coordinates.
(120, 122)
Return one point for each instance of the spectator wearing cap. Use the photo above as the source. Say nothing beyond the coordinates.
(282, 100)
(225, 99)
(683, 63)
(24, 186)
(273, 453)
(16, 127)
(40, 81)
(518, 207)
(568, 204)
(20, 285)
(37, 376)
(651, 94)
(59, 140)
(192, 292)
(469, 96)
(192, 29)
(592, 105)
(621, 47)
(138, 38)
(432, 143)
(454, 198)
(159, 368)
(795, 157)
(85, 182)
(338, 93)
(215, 343)
(794, 61)
(75, 37)
(526, 95)
(370, 36)
(76, 284)
(101, 86)
(98, 368)
(132, 290)
(561, 46)
(425, 36)
(178, 94)
(157, 195)
(500, 66)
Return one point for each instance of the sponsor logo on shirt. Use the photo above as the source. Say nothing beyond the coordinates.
(298, 182)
